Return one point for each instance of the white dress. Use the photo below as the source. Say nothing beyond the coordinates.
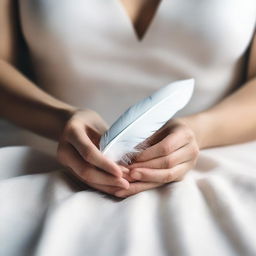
(87, 54)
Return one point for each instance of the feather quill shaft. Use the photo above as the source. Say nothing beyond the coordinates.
(141, 120)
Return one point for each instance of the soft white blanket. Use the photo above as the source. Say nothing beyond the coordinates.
(45, 212)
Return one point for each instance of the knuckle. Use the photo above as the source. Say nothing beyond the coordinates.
(70, 130)
(195, 151)
(168, 177)
(189, 135)
(169, 162)
(115, 181)
(69, 125)
(87, 154)
(165, 148)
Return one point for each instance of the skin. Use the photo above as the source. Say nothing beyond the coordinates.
(172, 151)
(141, 14)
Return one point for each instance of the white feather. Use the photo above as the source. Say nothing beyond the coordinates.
(141, 120)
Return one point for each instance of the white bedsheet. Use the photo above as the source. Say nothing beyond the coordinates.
(44, 212)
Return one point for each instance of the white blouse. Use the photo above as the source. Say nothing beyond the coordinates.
(86, 53)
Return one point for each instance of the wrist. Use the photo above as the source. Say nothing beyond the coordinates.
(198, 123)
(62, 116)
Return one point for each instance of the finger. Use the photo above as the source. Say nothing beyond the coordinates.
(162, 175)
(159, 135)
(128, 177)
(182, 154)
(89, 173)
(104, 188)
(169, 144)
(91, 153)
(135, 188)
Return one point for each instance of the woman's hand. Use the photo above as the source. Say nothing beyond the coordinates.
(172, 152)
(78, 150)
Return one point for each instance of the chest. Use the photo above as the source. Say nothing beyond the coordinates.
(220, 30)
(141, 13)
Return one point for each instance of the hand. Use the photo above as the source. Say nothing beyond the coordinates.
(172, 151)
(78, 151)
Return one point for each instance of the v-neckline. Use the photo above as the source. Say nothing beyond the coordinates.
(147, 31)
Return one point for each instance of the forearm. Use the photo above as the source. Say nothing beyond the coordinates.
(26, 105)
(231, 121)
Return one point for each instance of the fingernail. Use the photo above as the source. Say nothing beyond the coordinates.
(136, 175)
(124, 169)
(124, 183)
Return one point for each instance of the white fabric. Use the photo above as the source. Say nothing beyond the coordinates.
(86, 53)
(211, 212)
